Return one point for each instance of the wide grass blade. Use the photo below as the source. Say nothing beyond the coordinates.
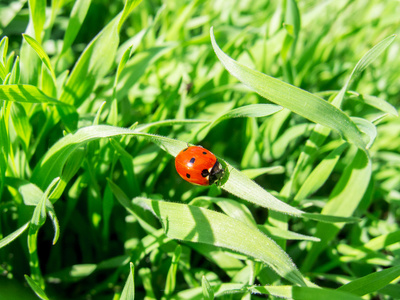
(199, 225)
(297, 100)
(26, 93)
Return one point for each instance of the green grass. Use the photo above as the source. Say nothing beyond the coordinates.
(298, 100)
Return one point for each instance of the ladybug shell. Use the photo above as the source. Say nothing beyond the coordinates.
(197, 165)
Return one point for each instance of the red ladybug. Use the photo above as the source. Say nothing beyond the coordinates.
(198, 166)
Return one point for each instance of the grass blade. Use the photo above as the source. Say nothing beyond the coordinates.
(199, 225)
(76, 19)
(12, 236)
(372, 282)
(208, 292)
(26, 93)
(42, 55)
(297, 100)
(128, 293)
(171, 276)
(36, 288)
(37, 14)
(352, 185)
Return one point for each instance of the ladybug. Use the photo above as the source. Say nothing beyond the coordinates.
(198, 166)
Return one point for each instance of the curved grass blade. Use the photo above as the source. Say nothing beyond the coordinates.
(199, 225)
(37, 221)
(26, 93)
(42, 55)
(297, 100)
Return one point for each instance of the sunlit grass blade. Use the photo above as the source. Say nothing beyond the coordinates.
(233, 209)
(208, 292)
(36, 288)
(128, 7)
(37, 13)
(253, 173)
(128, 293)
(236, 183)
(297, 100)
(194, 224)
(361, 65)
(26, 93)
(21, 123)
(53, 161)
(368, 128)
(279, 233)
(41, 53)
(12, 236)
(243, 187)
(372, 282)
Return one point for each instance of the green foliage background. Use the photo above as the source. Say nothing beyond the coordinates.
(98, 96)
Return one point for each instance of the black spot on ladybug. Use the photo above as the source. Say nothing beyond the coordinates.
(187, 175)
(205, 173)
(204, 152)
(192, 160)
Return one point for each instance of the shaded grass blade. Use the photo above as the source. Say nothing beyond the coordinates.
(76, 19)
